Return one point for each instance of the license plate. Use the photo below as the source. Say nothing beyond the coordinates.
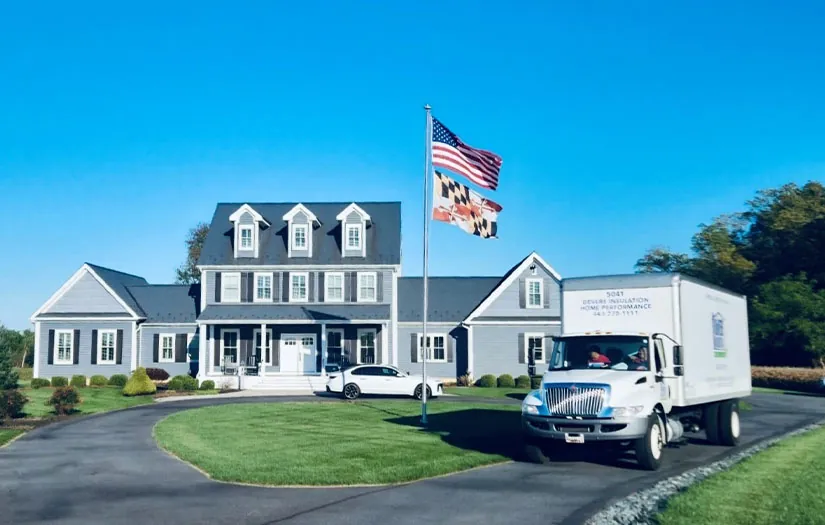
(574, 438)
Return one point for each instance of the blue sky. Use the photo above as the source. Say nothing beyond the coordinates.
(622, 125)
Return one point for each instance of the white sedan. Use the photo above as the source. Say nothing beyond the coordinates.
(380, 379)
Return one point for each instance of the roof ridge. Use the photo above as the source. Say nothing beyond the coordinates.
(149, 285)
(113, 270)
(305, 202)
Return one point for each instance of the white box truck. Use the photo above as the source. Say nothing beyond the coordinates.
(641, 360)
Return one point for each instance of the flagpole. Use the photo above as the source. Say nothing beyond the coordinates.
(427, 174)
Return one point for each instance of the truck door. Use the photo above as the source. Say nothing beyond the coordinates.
(661, 370)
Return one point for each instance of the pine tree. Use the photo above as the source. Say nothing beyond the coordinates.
(8, 375)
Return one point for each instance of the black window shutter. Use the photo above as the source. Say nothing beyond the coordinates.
(353, 286)
(379, 287)
(76, 347)
(250, 287)
(217, 287)
(155, 345)
(119, 348)
(94, 347)
(180, 348)
(311, 295)
(521, 356)
(522, 293)
(450, 342)
(244, 284)
(276, 287)
(285, 287)
(50, 358)
(413, 348)
(321, 290)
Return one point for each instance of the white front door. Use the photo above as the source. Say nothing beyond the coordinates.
(298, 353)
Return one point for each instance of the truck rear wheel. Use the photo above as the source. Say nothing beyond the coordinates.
(649, 448)
(536, 450)
(711, 422)
(729, 429)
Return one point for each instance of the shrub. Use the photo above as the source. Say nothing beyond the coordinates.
(25, 374)
(506, 381)
(60, 381)
(523, 381)
(78, 381)
(139, 384)
(183, 383)
(784, 378)
(157, 374)
(64, 399)
(98, 380)
(11, 404)
(535, 382)
(487, 381)
(39, 382)
(118, 380)
(208, 385)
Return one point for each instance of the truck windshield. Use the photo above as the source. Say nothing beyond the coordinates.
(616, 352)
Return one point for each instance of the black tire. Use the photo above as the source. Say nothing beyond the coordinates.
(712, 423)
(351, 391)
(417, 393)
(729, 428)
(650, 448)
(536, 451)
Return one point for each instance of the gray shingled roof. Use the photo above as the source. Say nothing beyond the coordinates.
(118, 282)
(450, 298)
(331, 313)
(383, 235)
(168, 303)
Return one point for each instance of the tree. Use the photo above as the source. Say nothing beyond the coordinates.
(28, 349)
(8, 375)
(718, 247)
(660, 259)
(188, 273)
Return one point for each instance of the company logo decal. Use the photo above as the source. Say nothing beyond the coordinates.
(719, 349)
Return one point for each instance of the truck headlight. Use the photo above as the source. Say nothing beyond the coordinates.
(628, 411)
(531, 403)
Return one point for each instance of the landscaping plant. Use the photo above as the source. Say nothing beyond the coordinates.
(39, 382)
(786, 378)
(78, 381)
(11, 404)
(139, 384)
(98, 380)
(157, 374)
(523, 381)
(183, 383)
(64, 399)
(118, 380)
(506, 381)
(207, 385)
(60, 381)
(487, 381)
(8, 374)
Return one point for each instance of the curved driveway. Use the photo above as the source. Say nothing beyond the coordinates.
(107, 469)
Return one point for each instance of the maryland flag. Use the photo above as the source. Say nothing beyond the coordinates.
(457, 204)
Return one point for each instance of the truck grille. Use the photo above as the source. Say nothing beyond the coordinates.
(575, 400)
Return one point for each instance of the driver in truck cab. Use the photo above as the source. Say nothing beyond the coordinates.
(639, 361)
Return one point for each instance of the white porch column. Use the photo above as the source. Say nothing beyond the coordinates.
(37, 351)
(470, 353)
(385, 328)
(323, 348)
(211, 360)
(203, 350)
(263, 348)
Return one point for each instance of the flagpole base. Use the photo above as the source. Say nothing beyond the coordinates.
(423, 413)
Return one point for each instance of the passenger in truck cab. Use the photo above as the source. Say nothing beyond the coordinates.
(596, 357)
(640, 360)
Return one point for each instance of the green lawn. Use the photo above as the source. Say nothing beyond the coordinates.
(763, 390)
(474, 391)
(94, 400)
(335, 443)
(8, 435)
(783, 484)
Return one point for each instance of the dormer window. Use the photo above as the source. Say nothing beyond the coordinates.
(246, 238)
(247, 226)
(299, 237)
(354, 221)
(300, 221)
(354, 237)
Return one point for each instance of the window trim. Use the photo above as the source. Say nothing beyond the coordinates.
(343, 343)
(251, 229)
(295, 228)
(527, 283)
(162, 359)
(255, 298)
(358, 345)
(359, 297)
(56, 354)
(347, 229)
(421, 346)
(224, 275)
(271, 332)
(99, 348)
(535, 335)
(292, 298)
(327, 275)
(237, 333)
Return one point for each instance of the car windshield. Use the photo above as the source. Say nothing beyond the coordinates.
(616, 352)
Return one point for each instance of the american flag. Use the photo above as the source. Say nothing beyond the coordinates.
(478, 165)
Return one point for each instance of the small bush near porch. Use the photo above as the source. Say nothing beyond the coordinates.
(337, 443)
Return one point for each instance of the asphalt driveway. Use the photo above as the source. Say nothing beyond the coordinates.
(107, 469)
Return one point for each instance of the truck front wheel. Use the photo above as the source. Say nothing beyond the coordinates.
(729, 429)
(536, 450)
(649, 448)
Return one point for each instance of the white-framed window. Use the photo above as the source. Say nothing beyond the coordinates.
(534, 346)
(265, 355)
(106, 340)
(230, 339)
(166, 352)
(367, 287)
(246, 242)
(64, 347)
(334, 287)
(535, 293)
(436, 349)
(263, 287)
(366, 346)
(335, 346)
(230, 287)
(353, 237)
(299, 236)
(298, 287)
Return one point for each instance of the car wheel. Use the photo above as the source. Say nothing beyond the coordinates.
(351, 391)
(417, 393)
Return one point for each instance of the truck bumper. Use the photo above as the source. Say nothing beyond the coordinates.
(591, 430)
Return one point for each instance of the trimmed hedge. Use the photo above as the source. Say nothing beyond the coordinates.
(11, 404)
(786, 378)
(40, 382)
(535, 382)
(506, 381)
(139, 384)
(118, 380)
(523, 381)
(78, 381)
(64, 399)
(60, 381)
(487, 381)
(207, 385)
(98, 380)
(157, 374)
(183, 383)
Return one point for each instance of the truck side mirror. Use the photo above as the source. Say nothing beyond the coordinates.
(677, 355)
